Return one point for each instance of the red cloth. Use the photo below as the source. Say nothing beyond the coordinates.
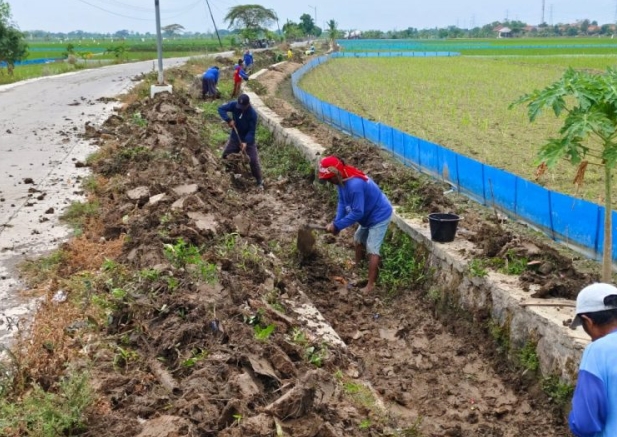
(237, 78)
(346, 171)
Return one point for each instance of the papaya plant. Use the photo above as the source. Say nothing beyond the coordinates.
(588, 134)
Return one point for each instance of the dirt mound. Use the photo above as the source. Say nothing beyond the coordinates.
(218, 355)
(296, 119)
(224, 61)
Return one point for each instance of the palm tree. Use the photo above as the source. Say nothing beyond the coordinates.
(333, 33)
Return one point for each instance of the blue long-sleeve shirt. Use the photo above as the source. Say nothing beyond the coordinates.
(362, 202)
(594, 405)
(245, 120)
(248, 59)
(212, 73)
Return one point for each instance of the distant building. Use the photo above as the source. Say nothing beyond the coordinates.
(504, 32)
(353, 34)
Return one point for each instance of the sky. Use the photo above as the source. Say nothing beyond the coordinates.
(138, 15)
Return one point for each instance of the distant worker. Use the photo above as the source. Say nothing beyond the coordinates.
(359, 201)
(243, 124)
(209, 82)
(290, 54)
(248, 60)
(239, 76)
(594, 411)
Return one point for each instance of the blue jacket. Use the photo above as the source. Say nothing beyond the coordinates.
(248, 59)
(212, 73)
(245, 120)
(593, 404)
(362, 202)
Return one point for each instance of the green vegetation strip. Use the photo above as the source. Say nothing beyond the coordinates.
(462, 104)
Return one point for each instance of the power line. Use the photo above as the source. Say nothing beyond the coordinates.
(115, 13)
(146, 9)
(182, 11)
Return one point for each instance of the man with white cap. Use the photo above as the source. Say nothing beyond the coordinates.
(594, 405)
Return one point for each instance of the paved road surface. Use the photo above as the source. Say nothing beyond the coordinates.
(40, 121)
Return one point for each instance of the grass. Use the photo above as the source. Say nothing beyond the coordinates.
(403, 266)
(78, 212)
(461, 103)
(528, 357)
(42, 269)
(46, 413)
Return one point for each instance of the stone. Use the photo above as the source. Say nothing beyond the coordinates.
(156, 199)
(139, 193)
(185, 190)
(204, 222)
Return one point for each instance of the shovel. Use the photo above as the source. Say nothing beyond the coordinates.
(245, 156)
(306, 240)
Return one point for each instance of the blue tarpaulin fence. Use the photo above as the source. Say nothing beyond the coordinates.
(567, 219)
(33, 61)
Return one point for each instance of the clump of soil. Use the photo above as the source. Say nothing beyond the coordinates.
(296, 119)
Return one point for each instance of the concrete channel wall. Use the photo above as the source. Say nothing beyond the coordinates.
(517, 318)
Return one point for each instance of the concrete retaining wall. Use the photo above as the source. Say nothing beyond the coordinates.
(520, 318)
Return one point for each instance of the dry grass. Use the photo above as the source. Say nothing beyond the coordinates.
(51, 342)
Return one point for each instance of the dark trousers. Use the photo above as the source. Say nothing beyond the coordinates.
(208, 88)
(233, 146)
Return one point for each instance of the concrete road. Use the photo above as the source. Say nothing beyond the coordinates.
(40, 123)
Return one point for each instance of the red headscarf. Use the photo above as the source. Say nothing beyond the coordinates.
(346, 171)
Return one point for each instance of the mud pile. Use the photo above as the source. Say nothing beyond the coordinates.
(203, 315)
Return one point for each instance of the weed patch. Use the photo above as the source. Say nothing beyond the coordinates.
(403, 265)
(48, 413)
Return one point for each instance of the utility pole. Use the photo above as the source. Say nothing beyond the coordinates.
(543, 8)
(160, 86)
(159, 42)
(551, 13)
(215, 29)
(314, 13)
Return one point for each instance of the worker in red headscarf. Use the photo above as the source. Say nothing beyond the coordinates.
(359, 201)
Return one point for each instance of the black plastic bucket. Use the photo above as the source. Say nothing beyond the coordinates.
(443, 226)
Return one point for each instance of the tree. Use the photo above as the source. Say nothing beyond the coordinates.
(172, 29)
(333, 33)
(250, 19)
(307, 24)
(13, 47)
(292, 31)
(588, 134)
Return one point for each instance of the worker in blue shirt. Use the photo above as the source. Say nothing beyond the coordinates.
(359, 201)
(209, 82)
(248, 60)
(243, 123)
(594, 404)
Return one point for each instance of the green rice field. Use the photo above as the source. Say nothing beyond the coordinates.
(93, 54)
(462, 103)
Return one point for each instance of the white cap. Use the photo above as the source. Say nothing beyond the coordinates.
(593, 299)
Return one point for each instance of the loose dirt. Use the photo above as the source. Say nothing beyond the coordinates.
(207, 329)
(401, 369)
